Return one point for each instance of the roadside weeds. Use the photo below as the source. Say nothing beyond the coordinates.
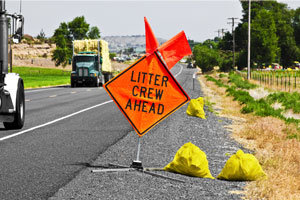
(273, 144)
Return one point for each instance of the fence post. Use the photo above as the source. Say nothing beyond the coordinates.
(272, 79)
(277, 80)
(289, 74)
(285, 81)
(281, 80)
(295, 80)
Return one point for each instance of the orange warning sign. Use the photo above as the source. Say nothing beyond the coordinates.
(146, 93)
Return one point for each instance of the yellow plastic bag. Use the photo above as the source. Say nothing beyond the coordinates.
(190, 160)
(242, 167)
(195, 108)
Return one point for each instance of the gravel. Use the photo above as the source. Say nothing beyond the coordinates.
(158, 148)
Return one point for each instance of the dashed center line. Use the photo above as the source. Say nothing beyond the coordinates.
(52, 96)
(54, 121)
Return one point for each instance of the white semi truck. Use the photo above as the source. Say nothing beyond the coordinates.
(12, 98)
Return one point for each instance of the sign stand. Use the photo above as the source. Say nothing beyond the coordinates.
(137, 163)
(135, 166)
(150, 79)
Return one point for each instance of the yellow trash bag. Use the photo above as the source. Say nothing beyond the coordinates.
(190, 160)
(242, 167)
(195, 108)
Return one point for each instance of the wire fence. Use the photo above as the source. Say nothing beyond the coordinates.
(279, 80)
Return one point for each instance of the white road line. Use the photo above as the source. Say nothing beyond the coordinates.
(27, 99)
(30, 91)
(54, 121)
(62, 118)
(41, 90)
(52, 96)
(179, 71)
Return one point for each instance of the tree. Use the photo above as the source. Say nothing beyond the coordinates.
(94, 33)
(283, 17)
(241, 36)
(206, 58)
(296, 26)
(226, 42)
(129, 51)
(285, 32)
(226, 63)
(264, 41)
(242, 59)
(63, 41)
(192, 43)
(78, 28)
(63, 36)
(112, 55)
(41, 36)
(210, 44)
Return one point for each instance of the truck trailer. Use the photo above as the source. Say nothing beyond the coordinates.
(91, 64)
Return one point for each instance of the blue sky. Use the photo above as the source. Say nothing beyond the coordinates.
(200, 19)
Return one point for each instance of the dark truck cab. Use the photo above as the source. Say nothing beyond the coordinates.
(86, 69)
(91, 64)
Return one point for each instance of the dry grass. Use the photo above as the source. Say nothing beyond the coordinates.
(268, 137)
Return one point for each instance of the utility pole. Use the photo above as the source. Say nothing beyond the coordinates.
(233, 38)
(249, 32)
(221, 32)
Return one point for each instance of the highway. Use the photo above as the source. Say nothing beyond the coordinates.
(65, 130)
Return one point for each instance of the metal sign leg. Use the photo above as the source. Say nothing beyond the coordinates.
(137, 163)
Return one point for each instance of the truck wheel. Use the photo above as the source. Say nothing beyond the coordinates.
(19, 117)
(107, 77)
(102, 81)
(97, 82)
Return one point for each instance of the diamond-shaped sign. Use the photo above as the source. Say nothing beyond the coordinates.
(146, 93)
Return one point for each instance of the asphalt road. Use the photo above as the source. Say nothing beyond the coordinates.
(65, 130)
(158, 148)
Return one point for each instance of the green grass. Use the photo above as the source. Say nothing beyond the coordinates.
(218, 82)
(240, 82)
(209, 105)
(35, 77)
(288, 100)
(261, 107)
(222, 75)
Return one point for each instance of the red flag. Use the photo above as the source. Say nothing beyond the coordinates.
(151, 41)
(175, 49)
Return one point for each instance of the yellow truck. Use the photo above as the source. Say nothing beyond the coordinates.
(91, 64)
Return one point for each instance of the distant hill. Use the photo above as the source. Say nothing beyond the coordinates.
(117, 43)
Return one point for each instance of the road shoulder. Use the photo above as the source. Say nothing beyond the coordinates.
(158, 148)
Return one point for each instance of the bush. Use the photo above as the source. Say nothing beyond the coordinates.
(205, 57)
(226, 63)
(242, 60)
